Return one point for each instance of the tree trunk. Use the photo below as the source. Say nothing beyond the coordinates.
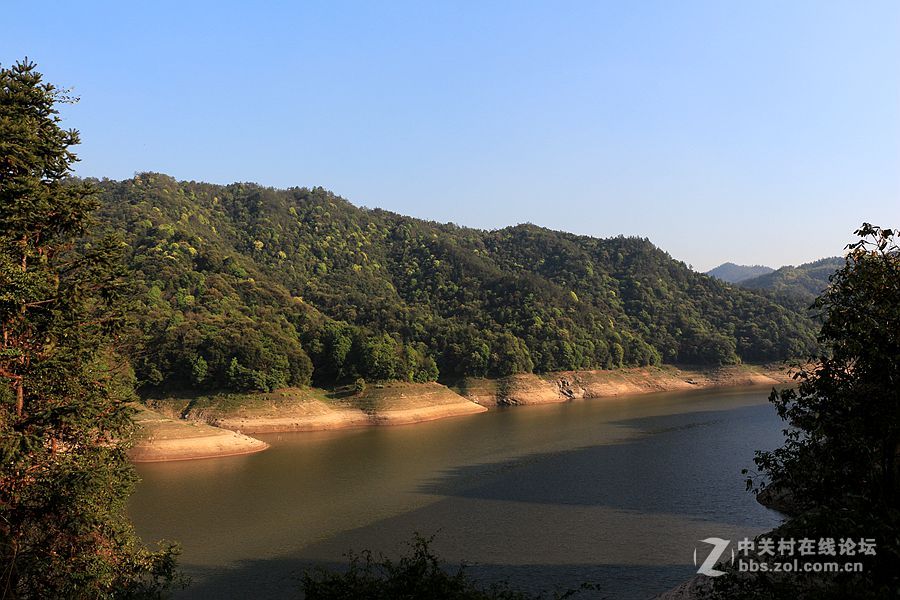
(20, 397)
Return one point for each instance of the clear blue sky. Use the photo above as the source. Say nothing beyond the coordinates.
(757, 132)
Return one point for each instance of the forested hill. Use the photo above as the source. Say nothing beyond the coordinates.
(797, 285)
(254, 288)
(733, 273)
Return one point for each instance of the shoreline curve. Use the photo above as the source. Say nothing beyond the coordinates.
(187, 434)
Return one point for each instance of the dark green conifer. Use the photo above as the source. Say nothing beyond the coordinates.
(64, 419)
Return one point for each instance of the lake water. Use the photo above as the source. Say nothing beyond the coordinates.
(612, 491)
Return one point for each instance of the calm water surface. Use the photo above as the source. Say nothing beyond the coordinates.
(612, 491)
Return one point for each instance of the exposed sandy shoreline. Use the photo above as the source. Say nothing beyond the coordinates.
(571, 385)
(166, 439)
(213, 431)
(393, 404)
(209, 432)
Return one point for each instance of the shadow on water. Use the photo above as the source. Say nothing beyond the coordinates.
(686, 464)
(616, 492)
(625, 516)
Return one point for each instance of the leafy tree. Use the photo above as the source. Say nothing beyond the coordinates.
(510, 355)
(64, 423)
(845, 412)
(338, 343)
(380, 358)
(199, 370)
(837, 472)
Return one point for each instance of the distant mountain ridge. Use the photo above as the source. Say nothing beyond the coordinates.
(798, 284)
(733, 273)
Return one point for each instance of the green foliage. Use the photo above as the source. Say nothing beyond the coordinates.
(64, 421)
(300, 285)
(799, 286)
(845, 412)
(417, 574)
(839, 464)
(199, 370)
(381, 360)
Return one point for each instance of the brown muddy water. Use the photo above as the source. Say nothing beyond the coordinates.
(616, 492)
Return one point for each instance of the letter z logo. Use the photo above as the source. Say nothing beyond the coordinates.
(719, 546)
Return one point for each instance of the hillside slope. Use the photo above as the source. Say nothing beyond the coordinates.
(249, 288)
(733, 273)
(797, 286)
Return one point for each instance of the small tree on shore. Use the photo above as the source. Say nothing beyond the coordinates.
(64, 421)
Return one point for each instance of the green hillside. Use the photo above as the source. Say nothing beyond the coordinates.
(797, 286)
(247, 287)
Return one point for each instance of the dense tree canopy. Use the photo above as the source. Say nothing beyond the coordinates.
(254, 288)
(64, 425)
